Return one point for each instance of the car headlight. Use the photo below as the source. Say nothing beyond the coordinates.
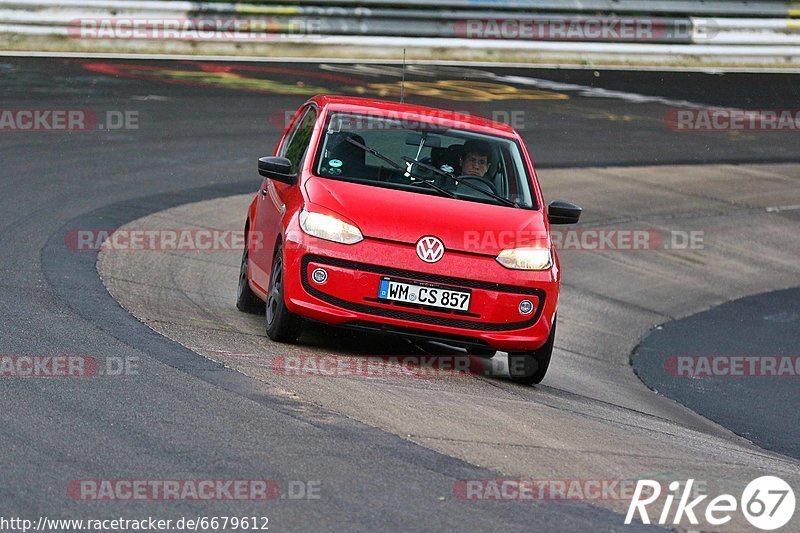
(526, 258)
(329, 228)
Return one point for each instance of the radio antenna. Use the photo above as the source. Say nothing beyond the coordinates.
(403, 79)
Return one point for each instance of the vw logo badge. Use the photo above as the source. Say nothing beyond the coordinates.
(430, 249)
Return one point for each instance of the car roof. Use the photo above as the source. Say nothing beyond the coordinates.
(458, 119)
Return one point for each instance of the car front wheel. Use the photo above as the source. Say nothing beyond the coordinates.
(529, 368)
(282, 325)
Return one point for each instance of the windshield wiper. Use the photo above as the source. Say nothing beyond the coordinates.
(461, 182)
(397, 166)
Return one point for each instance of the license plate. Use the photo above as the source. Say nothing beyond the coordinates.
(434, 296)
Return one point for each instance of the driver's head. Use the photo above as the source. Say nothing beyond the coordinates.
(475, 158)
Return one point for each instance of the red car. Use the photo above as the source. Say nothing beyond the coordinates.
(394, 218)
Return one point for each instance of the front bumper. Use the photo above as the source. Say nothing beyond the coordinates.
(349, 295)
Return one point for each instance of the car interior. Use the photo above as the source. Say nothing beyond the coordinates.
(341, 158)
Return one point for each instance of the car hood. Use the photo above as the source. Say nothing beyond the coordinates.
(405, 217)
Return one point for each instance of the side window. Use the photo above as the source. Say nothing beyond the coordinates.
(295, 148)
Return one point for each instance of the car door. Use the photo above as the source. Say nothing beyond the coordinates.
(271, 204)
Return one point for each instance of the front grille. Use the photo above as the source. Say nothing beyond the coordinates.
(416, 317)
(386, 329)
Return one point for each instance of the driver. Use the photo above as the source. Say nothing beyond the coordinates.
(475, 157)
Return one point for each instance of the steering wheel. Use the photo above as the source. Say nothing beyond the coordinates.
(480, 181)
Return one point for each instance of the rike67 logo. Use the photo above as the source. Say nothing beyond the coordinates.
(767, 502)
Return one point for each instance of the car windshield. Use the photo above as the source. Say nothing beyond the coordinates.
(381, 151)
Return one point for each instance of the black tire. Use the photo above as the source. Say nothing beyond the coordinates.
(246, 299)
(281, 324)
(529, 368)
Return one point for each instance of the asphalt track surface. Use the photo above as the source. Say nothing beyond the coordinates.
(183, 416)
(757, 327)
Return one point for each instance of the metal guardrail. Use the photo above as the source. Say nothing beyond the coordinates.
(723, 8)
(765, 22)
(720, 8)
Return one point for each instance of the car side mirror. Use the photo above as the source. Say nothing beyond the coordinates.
(561, 212)
(278, 169)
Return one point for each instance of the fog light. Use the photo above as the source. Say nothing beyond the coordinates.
(525, 307)
(319, 276)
